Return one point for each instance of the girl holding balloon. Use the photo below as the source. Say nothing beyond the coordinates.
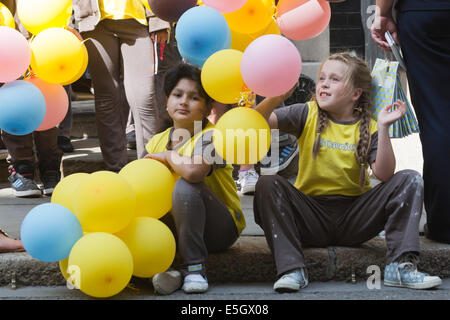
(332, 202)
(206, 208)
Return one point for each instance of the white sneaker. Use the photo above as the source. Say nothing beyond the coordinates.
(292, 281)
(195, 283)
(406, 275)
(247, 181)
(167, 282)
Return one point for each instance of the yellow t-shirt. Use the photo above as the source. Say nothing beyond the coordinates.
(123, 9)
(336, 169)
(220, 180)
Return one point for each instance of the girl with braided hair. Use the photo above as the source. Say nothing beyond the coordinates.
(332, 202)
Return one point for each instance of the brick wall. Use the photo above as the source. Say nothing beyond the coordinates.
(346, 30)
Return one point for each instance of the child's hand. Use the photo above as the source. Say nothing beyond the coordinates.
(386, 117)
(288, 94)
(161, 157)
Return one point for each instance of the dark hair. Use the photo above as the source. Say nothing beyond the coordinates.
(185, 71)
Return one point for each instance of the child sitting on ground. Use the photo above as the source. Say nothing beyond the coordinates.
(206, 208)
(332, 202)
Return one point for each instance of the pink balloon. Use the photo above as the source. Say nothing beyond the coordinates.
(15, 54)
(284, 6)
(305, 21)
(271, 65)
(56, 100)
(225, 6)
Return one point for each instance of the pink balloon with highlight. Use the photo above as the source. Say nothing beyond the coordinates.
(306, 21)
(225, 6)
(56, 101)
(15, 54)
(271, 65)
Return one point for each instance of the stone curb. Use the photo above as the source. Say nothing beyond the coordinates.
(250, 260)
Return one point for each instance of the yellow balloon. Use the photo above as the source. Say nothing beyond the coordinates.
(242, 136)
(152, 183)
(83, 67)
(240, 41)
(64, 190)
(221, 76)
(6, 18)
(252, 17)
(38, 15)
(57, 55)
(151, 244)
(101, 265)
(104, 202)
(63, 266)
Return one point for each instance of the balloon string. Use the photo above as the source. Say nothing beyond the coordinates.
(275, 12)
(82, 42)
(247, 99)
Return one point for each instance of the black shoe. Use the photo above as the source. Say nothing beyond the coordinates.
(23, 185)
(131, 140)
(64, 144)
(287, 153)
(50, 179)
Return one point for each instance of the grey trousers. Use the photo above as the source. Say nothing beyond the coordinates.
(171, 57)
(201, 223)
(122, 49)
(291, 219)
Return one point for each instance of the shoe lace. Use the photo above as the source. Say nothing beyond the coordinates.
(249, 174)
(297, 276)
(408, 263)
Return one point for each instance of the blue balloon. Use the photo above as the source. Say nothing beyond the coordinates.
(49, 232)
(192, 60)
(200, 32)
(22, 107)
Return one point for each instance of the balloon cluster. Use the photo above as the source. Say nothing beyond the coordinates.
(238, 45)
(104, 227)
(53, 57)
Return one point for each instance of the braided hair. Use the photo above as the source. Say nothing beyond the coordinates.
(358, 77)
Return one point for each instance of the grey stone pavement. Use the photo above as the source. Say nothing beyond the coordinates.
(330, 290)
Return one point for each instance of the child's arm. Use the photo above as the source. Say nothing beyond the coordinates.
(267, 106)
(193, 169)
(384, 166)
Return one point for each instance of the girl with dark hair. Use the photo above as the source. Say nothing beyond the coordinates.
(332, 202)
(206, 208)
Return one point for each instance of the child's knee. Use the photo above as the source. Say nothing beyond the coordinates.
(267, 183)
(185, 189)
(411, 179)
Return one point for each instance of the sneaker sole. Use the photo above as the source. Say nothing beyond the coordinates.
(287, 289)
(195, 288)
(27, 194)
(274, 170)
(419, 286)
(48, 192)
